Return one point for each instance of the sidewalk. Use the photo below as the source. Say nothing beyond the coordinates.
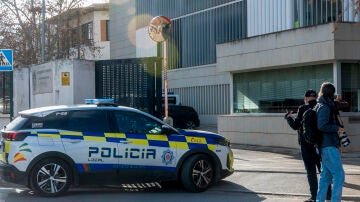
(280, 171)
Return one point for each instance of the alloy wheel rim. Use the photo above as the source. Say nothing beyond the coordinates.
(190, 125)
(51, 178)
(202, 174)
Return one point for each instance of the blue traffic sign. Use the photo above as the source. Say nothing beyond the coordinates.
(6, 60)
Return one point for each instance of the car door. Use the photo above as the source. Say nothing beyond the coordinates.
(145, 152)
(84, 140)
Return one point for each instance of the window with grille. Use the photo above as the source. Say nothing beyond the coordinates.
(87, 33)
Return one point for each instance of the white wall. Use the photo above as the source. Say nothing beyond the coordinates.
(46, 87)
(42, 85)
(103, 46)
(293, 47)
(21, 90)
(84, 80)
(197, 76)
(273, 130)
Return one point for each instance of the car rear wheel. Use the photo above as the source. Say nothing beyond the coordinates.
(50, 177)
(190, 125)
(197, 173)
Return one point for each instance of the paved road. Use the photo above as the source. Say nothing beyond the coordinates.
(261, 174)
(280, 171)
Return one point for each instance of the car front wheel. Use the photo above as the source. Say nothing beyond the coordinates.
(50, 177)
(197, 173)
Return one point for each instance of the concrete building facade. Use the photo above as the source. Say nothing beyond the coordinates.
(88, 28)
(296, 59)
(242, 63)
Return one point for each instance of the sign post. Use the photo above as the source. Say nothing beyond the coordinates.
(6, 64)
(159, 31)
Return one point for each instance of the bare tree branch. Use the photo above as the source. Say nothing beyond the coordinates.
(20, 28)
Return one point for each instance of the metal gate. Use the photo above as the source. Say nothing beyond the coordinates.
(5, 92)
(131, 82)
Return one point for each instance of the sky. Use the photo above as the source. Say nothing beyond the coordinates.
(89, 2)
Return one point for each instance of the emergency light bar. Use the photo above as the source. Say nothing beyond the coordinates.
(100, 101)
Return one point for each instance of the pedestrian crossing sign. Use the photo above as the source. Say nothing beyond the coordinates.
(6, 60)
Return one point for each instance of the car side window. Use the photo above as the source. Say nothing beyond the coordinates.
(88, 121)
(136, 123)
(33, 123)
(56, 120)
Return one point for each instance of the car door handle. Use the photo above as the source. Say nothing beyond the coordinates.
(73, 141)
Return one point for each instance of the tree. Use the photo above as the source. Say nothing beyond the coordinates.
(20, 29)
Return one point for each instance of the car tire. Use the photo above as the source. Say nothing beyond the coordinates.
(190, 125)
(50, 177)
(197, 173)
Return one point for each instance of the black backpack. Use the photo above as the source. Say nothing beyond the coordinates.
(311, 133)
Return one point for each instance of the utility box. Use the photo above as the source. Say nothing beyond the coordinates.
(62, 82)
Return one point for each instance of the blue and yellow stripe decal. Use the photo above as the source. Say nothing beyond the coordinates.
(5, 154)
(98, 167)
(156, 140)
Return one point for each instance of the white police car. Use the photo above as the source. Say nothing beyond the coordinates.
(48, 149)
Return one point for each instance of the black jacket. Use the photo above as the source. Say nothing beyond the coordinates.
(296, 123)
(327, 123)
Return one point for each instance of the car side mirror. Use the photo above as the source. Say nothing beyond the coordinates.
(167, 130)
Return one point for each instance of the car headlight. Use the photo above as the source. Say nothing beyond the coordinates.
(223, 142)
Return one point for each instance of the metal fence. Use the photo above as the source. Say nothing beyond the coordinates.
(131, 82)
(4, 92)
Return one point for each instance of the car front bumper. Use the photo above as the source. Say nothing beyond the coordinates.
(226, 173)
(229, 164)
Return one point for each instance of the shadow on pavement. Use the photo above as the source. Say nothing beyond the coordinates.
(224, 190)
(352, 186)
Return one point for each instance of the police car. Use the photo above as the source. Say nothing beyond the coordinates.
(51, 148)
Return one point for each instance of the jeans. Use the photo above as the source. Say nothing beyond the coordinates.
(311, 162)
(331, 171)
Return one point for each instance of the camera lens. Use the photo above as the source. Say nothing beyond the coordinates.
(344, 140)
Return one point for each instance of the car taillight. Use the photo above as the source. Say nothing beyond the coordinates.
(15, 136)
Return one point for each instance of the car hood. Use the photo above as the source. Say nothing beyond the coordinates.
(200, 133)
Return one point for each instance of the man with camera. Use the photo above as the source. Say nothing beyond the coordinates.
(333, 135)
(308, 151)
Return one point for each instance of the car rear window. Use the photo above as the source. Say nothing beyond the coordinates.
(17, 123)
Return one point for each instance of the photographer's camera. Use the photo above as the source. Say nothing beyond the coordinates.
(345, 141)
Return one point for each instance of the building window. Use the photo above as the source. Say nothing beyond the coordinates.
(104, 26)
(350, 85)
(309, 13)
(274, 91)
(87, 33)
(218, 104)
(74, 39)
(107, 30)
(194, 37)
